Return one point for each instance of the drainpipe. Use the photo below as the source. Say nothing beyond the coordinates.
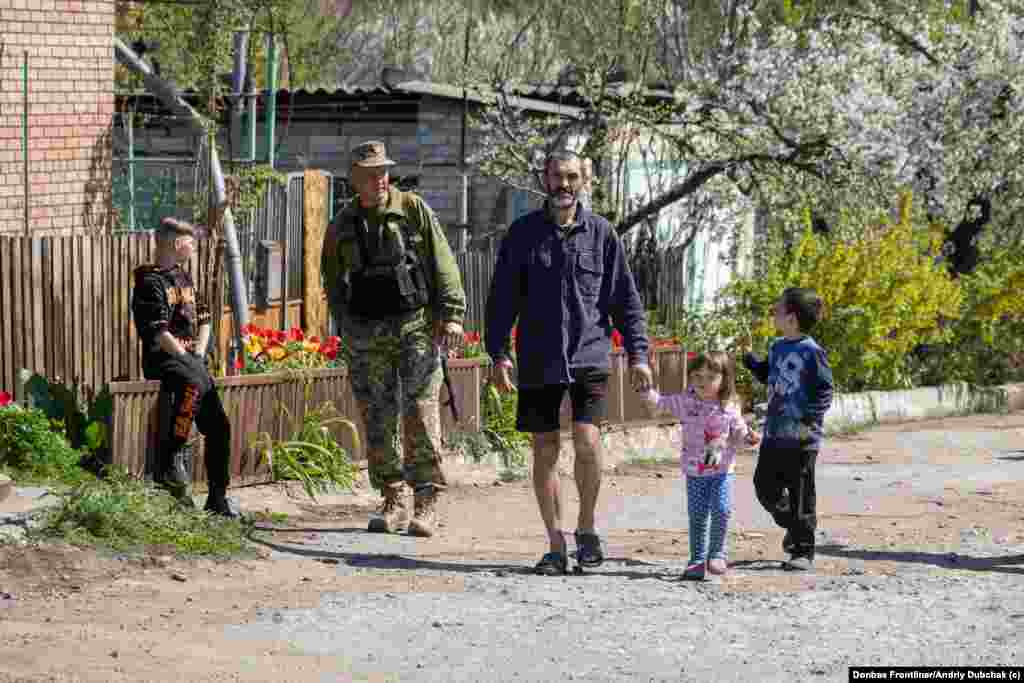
(168, 94)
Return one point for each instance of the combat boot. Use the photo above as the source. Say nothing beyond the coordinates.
(424, 512)
(393, 514)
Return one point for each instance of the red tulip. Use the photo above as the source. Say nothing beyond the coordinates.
(5, 399)
(295, 334)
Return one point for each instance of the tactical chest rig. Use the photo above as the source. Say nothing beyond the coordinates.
(385, 291)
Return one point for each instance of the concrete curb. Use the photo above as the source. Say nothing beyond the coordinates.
(850, 411)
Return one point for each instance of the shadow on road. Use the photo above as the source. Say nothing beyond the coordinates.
(943, 560)
(311, 530)
(395, 561)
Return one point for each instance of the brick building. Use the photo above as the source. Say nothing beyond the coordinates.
(70, 93)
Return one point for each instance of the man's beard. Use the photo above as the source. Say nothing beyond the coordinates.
(558, 196)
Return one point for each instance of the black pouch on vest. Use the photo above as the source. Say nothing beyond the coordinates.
(386, 291)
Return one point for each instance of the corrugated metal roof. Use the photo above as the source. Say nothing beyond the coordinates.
(563, 100)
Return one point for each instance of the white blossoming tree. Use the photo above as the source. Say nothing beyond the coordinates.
(837, 108)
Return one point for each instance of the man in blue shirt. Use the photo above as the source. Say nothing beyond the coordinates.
(562, 274)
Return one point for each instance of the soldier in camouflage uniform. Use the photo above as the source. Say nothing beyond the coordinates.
(395, 290)
(175, 332)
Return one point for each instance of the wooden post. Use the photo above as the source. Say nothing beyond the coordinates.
(315, 197)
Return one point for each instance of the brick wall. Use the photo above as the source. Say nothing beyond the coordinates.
(70, 103)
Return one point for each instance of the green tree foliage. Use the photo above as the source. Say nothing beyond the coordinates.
(884, 295)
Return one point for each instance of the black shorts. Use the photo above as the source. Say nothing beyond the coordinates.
(539, 407)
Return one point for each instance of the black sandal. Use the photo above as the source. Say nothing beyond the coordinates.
(588, 549)
(552, 564)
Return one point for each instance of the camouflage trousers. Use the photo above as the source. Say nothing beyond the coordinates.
(396, 378)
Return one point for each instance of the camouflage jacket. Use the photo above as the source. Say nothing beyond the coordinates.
(165, 299)
(405, 222)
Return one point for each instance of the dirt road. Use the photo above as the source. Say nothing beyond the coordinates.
(921, 561)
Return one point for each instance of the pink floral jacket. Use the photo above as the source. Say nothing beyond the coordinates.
(711, 432)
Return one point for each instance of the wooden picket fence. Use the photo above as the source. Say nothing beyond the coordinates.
(274, 403)
(65, 306)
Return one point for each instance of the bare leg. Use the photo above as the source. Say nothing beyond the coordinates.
(546, 486)
(587, 469)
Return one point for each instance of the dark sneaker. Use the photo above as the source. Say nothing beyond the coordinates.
(219, 504)
(787, 544)
(393, 513)
(588, 549)
(552, 564)
(799, 563)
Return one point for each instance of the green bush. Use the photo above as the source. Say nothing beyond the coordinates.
(122, 513)
(499, 426)
(312, 456)
(82, 413)
(32, 448)
(986, 342)
(884, 293)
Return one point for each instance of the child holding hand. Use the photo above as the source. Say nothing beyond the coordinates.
(712, 429)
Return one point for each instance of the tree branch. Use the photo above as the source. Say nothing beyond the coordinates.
(903, 37)
(684, 189)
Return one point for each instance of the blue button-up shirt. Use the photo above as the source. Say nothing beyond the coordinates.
(567, 290)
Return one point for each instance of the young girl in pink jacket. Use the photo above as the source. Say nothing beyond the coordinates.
(712, 429)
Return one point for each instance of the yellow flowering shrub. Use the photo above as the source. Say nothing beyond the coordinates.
(986, 345)
(884, 293)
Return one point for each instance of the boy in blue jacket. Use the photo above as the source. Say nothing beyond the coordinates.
(800, 388)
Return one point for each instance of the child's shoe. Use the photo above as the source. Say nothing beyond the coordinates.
(695, 572)
(718, 566)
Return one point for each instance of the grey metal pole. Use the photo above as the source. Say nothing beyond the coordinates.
(169, 95)
(241, 43)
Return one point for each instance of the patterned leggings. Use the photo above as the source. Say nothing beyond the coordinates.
(708, 499)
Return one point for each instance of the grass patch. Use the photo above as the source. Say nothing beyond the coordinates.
(124, 514)
(269, 516)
